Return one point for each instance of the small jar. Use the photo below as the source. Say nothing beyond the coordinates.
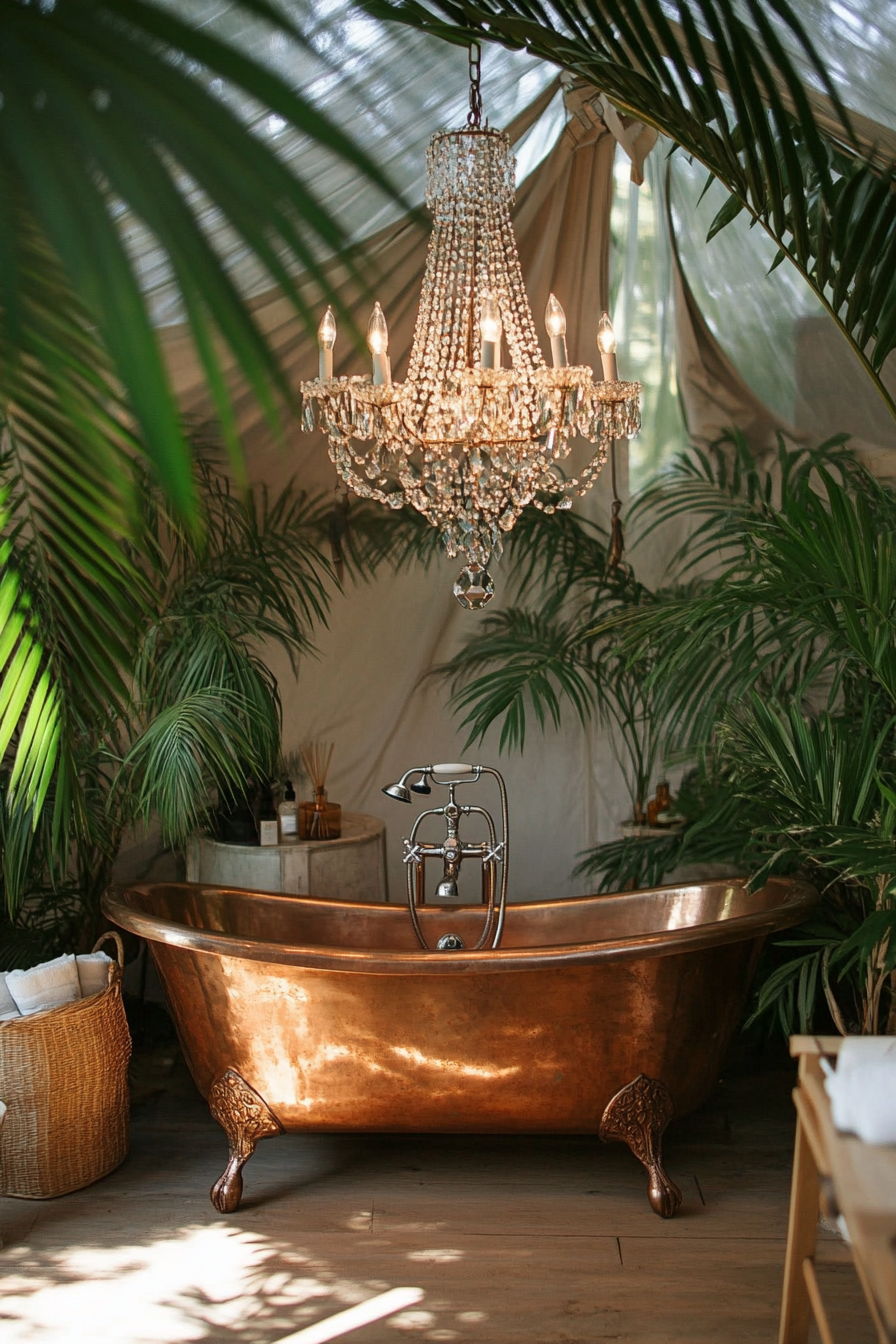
(320, 820)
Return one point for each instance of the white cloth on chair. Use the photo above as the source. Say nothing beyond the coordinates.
(93, 972)
(8, 1007)
(47, 986)
(862, 1088)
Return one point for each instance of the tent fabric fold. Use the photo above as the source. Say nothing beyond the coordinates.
(368, 691)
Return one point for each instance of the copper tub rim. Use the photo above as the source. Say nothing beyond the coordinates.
(798, 899)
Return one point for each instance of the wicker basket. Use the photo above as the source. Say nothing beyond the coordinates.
(64, 1079)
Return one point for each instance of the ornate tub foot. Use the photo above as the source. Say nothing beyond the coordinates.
(638, 1115)
(245, 1119)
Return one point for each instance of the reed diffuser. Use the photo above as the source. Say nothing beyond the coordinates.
(321, 819)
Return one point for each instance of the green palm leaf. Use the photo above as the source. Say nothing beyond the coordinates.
(808, 598)
(69, 466)
(29, 721)
(108, 104)
(716, 78)
(29, 698)
(68, 477)
(206, 740)
(519, 662)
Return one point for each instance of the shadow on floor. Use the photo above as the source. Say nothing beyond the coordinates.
(534, 1239)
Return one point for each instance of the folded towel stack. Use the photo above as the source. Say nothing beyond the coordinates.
(93, 972)
(862, 1088)
(62, 980)
(46, 986)
(8, 1007)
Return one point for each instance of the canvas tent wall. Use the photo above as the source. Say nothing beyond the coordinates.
(744, 350)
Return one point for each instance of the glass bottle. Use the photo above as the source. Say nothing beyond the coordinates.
(268, 830)
(288, 813)
(660, 802)
(320, 820)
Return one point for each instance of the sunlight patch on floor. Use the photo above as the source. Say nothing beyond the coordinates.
(199, 1282)
(437, 1257)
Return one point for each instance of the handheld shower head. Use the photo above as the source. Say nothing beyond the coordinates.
(401, 790)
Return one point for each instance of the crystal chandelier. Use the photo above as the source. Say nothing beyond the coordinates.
(467, 442)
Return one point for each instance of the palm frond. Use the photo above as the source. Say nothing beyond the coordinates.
(110, 105)
(67, 470)
(29, 699)
(260, 562)
(46, 924)
(719, 829)
(716, 78)
(148, 685)
(29, 722)
(206, 740)
(718, 490)
(630, 864)
(519, 662)
(755, 627)
(549, 554)
(361, 536)
(814, 773)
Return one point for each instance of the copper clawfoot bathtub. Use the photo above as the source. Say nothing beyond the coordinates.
(601, 1014)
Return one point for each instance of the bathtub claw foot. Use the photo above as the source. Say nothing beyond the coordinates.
(227, 1190)
(245, 1119)
(638, 1115)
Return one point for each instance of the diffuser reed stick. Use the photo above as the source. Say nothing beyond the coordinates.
(316, 757)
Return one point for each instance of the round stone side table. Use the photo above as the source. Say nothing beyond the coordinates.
(352, 868)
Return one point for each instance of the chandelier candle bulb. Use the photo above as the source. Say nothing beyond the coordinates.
(326, 339)
(606, 343)
(378, 344)
(555, 322)
(490, 330)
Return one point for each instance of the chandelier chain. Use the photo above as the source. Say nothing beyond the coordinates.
(474, 117)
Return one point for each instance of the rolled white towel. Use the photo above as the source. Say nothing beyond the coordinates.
(862, 1088)
(93, 972)
(7, 1002)
(46, 986)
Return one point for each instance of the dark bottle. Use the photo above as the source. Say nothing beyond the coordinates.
(268, 825)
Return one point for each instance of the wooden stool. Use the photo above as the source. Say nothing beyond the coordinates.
(843, 1176)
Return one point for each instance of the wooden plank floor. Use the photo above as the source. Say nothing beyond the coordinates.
(537, 1240)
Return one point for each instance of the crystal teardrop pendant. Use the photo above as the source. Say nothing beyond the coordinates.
(473, 587)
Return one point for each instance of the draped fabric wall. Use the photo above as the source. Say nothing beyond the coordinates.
(755, 348)
(367, 691)
(714, 396)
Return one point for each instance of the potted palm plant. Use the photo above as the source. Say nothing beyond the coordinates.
(158, 645)
(775, 677)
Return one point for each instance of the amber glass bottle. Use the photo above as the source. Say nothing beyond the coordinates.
(660, 802)
(320, 820)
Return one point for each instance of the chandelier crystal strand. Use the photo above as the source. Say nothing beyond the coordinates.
(469, 446)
